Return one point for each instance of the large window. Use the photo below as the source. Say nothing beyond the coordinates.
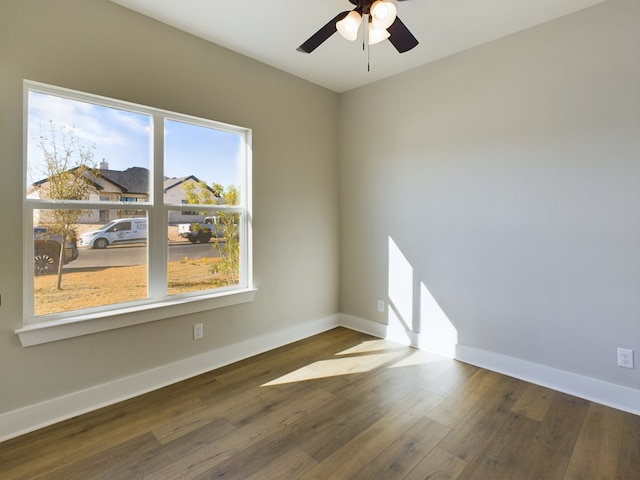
(129, 207)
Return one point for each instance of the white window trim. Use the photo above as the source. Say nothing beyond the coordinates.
(159, 306)
(51, 331)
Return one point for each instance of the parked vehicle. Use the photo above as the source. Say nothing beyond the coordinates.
(123, 230)
(200, 232)
(46, 248)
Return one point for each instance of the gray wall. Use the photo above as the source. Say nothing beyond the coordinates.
(98, 47)
(509, 178)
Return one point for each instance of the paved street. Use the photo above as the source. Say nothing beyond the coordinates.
(135, 254)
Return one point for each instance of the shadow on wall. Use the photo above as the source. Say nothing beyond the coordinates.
(432, 329)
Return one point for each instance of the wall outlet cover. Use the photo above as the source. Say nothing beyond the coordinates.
(625, 357)
(198, 331)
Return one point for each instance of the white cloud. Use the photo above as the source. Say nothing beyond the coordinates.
(119, 136)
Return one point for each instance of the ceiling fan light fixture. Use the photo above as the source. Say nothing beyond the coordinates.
(383, 14)
(377, 35)
(349, 25)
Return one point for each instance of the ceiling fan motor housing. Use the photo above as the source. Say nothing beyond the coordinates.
(363, 6)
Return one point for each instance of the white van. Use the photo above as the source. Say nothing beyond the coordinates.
(123, 230)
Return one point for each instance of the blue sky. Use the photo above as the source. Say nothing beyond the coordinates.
(122, 138)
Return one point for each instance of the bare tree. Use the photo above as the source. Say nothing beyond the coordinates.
(69, 173)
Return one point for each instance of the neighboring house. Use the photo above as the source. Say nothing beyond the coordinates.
(174, 193)
(132, 186)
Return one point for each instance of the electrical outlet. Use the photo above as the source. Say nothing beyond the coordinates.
(198, 331)
(381, 305)
(625, 357)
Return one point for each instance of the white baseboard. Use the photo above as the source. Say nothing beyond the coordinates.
(598, 391)
(33, 417)
(361, 325)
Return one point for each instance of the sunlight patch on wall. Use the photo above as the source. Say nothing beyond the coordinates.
(422, 323)
(400, 310)
(437, 332)
(397, 329)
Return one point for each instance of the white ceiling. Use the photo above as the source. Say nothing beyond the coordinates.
(270, 31)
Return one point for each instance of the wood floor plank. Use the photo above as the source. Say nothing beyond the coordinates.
(292, 464)
(560, 428)
(402, 455)
(348, 460)
(449, 377)
(105, 461)
(212, 454)
(548, 455)
(257, 456)
(465, 398)
(629, 458)
(437, 465)
(355, 409)
(141, 463)
(534, 402)
(598, 447)
(501, 457)
(484, 420)
(335, 424)
(101, 432)
(29, 447)
(265, 400)
(183, 423)
(541, 463)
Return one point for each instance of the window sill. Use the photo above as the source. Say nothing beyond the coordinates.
(45, 332)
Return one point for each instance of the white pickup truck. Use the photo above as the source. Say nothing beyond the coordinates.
(199, 232)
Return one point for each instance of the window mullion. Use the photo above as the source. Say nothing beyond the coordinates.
(157, 246)
(27, 300)
(247, 172)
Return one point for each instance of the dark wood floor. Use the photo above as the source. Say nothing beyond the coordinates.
(340, 405)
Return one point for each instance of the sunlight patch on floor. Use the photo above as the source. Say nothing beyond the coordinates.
(416, 358)
(336, 367)
(370, 346)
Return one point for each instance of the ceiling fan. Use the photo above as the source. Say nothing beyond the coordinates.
(382, 22)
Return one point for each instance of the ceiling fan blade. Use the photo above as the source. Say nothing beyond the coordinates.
(401, 37)
(321, 35)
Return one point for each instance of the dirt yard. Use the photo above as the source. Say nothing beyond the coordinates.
(97, 287)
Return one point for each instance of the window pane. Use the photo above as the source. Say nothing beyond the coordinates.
(203, 252)
(202, 164)
(70, 140)
(104, 263)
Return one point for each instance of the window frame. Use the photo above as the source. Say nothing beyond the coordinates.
(158, 305)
